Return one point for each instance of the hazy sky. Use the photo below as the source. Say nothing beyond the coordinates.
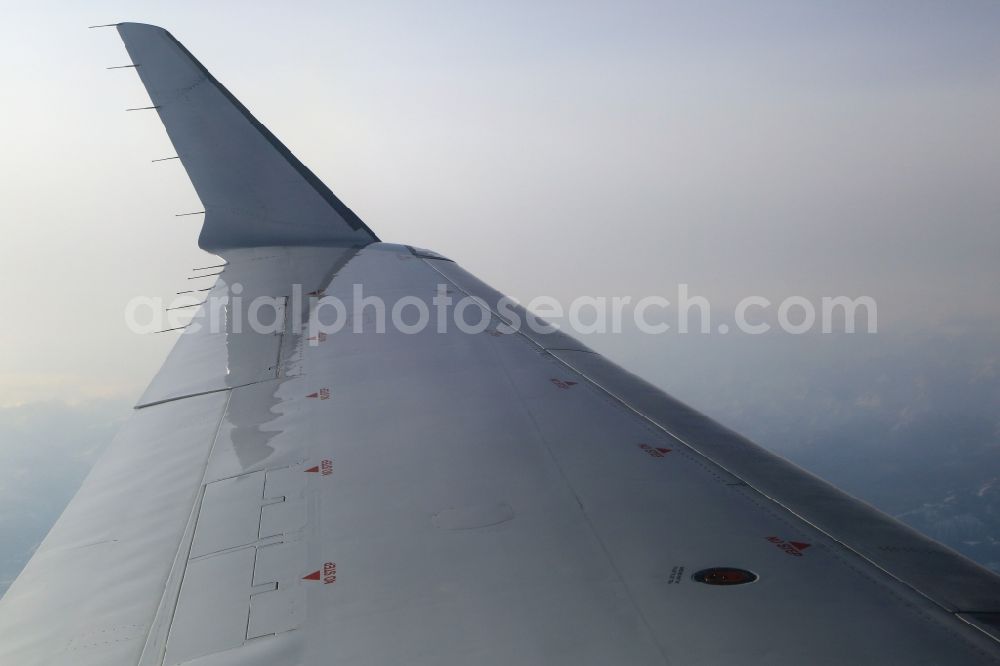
(559, 148)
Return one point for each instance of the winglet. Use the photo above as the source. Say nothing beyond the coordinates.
(255, 192)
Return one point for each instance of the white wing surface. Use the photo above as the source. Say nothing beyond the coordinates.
(283, 497)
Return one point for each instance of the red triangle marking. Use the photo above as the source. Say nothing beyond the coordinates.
(800, 545)
(313, 576)
(313, 469)
(313, 395)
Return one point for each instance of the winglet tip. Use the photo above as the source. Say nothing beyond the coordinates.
(127, 25)
(133, 28)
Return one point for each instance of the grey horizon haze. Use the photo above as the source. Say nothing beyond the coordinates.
(556, 149)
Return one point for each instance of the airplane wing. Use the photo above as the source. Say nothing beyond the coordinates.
(296, 494)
